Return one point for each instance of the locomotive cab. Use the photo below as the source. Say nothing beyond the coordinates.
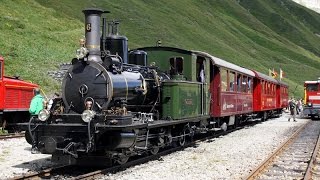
(312, 98)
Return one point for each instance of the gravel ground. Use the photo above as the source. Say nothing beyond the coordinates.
(16, 158)
(232, 156)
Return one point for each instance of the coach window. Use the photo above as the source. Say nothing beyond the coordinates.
(176, 66)
(244, 84)
(262, 87)
(249, 85)
(232, 76)
(224, 79)
(239, 81)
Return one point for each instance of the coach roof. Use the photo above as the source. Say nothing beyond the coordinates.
(225, 64)
(265, 77)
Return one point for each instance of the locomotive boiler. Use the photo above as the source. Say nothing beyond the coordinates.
(99, 81)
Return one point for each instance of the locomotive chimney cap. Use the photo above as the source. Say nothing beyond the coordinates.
(94, 11)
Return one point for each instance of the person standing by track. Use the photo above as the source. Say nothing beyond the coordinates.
(292, 109)
(36, 105)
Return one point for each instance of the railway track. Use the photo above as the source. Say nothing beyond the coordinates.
(11, 136)
(74, 172)
(99, 173)
(291, 159)
(43, 174)
(313, 171)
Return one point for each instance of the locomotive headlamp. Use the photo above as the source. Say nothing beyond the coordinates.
(87, 115)
(309, 104)
(43, 115)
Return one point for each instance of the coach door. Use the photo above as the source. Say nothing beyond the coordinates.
(202, 71)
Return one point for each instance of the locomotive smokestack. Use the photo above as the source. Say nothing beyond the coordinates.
(92, 30)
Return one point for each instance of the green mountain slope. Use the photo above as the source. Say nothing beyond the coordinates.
(37, 35)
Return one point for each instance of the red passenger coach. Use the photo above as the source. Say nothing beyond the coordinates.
(15, 97)
(282, 95)
(231, 90)
(264, 94)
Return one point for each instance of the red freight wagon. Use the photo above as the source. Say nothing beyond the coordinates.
(15, 97)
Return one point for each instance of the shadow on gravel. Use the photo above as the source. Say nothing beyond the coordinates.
(28, 149)
(36, 165)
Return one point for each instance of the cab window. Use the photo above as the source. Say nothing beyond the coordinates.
(312, 87)
(200, 70)
(176, 66)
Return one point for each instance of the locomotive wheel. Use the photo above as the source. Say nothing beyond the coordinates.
(264, 116)
(154, 150)
(313, 117)
(122, 160)
(28, 137)
(182, 139)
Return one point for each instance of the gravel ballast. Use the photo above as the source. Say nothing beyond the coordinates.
(232, 156)
(16, 158)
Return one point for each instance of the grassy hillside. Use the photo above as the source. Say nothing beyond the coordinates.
(37, 35)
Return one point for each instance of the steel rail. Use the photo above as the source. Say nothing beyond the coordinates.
(256, 172)
(41, 174)
(309, 173)
(11, 136)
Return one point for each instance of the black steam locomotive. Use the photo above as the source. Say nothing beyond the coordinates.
(110, 105)
(117, 103)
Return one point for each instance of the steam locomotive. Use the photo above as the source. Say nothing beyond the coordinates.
(116, 104)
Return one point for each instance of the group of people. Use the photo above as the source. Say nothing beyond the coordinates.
(295, 107)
